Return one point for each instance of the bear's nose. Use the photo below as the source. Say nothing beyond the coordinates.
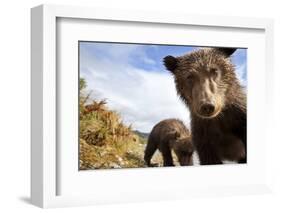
(207, 109)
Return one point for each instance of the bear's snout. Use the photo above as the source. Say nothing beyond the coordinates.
(207, 109)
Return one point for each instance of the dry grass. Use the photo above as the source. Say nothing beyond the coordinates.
(105, 142)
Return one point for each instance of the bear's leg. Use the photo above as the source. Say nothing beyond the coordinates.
(149, 151)
(232, 148)
(167, 157)
(208, 155)
(244, 160)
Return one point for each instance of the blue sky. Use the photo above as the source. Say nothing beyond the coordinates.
(134, 81)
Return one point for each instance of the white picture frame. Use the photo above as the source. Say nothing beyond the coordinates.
(45, 169)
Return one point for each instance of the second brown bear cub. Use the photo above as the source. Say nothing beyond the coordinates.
(168, 135)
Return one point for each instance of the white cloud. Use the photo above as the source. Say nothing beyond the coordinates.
(142, 98)
(240, 60)
(241, 74)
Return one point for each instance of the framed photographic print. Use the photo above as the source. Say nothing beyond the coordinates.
(129, 106)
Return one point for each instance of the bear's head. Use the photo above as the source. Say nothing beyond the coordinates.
(204, 79)
(183, 148)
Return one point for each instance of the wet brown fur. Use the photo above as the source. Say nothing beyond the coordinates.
(207, 75)
(167, 135)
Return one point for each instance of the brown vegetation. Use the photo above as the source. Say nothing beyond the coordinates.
(105, 141)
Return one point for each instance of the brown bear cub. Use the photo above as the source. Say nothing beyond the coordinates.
(205, 80)
(168, 135)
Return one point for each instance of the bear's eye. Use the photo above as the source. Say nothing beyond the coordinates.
(214, 71)
(189, 77)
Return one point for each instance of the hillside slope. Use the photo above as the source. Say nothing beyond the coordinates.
(105, 142)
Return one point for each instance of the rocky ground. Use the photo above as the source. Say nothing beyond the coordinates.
(109, 159)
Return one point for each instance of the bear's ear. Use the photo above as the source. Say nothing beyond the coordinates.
(177, 135)
(174, 135)
(227, 51)
(170, 63)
